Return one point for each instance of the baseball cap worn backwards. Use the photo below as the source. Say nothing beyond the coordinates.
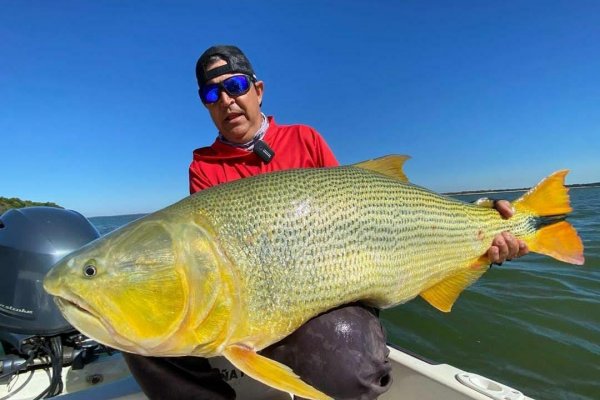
(236, 61)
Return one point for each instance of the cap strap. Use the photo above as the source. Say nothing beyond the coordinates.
(213, 73)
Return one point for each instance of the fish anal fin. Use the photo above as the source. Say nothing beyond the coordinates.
(443, 294)
(559, 240)
(480, 262)
(389, 165)
(270, 372)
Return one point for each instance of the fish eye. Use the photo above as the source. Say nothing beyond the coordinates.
(89, 270)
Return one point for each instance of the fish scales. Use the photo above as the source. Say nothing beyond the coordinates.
(235, 268)
(302, 240)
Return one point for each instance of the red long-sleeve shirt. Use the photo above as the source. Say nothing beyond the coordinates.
(295, 146)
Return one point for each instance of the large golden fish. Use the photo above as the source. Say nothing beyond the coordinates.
(235, 268)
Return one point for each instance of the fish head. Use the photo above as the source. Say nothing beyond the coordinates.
(145, 288)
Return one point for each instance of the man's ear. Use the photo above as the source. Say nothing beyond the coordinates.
(260, 89)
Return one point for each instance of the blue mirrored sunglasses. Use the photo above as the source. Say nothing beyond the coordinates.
(234, 86)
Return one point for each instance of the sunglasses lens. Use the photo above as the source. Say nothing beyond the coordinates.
(210, 94)
(236, 85)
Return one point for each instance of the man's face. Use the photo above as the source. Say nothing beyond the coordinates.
(237, 118)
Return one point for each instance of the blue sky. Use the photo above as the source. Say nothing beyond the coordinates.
(99, 111)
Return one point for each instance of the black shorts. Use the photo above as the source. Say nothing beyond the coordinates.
(341, 352)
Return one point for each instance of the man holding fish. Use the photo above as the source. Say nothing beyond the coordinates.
(341, 352)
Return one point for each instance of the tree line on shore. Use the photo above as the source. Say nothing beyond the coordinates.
(14, 202)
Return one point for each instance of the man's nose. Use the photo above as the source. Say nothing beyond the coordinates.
(225, 99)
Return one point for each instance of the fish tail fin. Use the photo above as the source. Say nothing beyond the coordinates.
(549, 200)
(550, 197)
(560, 241)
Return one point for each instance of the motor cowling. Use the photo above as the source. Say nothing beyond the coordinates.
(32, 240)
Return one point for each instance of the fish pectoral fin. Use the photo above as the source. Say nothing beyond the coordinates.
(389, 165)
(270, 372)
(443, 294)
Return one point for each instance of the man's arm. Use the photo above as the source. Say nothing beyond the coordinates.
(322, 153)
(197, 180)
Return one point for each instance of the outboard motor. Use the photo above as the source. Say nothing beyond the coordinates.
(33, 333)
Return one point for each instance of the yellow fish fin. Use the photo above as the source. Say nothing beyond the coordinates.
(389, 165)
(550, 197)
(270, 372)
(443, 294)
(558, 239)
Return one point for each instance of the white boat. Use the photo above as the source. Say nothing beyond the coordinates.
(108, 378)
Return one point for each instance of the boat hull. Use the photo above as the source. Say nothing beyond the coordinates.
(413, 379)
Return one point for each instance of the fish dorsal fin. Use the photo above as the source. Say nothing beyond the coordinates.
(443, 294)
(270, 372)
(389, 165)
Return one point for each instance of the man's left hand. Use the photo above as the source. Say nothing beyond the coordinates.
(505, 246)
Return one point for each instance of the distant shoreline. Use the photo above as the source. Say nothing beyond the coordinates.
(14, 202)
(480, 191)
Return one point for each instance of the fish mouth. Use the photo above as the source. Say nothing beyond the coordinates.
(77, 312)
(86, 320)
(66, 304)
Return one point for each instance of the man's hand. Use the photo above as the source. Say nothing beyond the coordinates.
(505, 246)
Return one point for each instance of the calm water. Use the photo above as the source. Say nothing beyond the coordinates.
(533, 323)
